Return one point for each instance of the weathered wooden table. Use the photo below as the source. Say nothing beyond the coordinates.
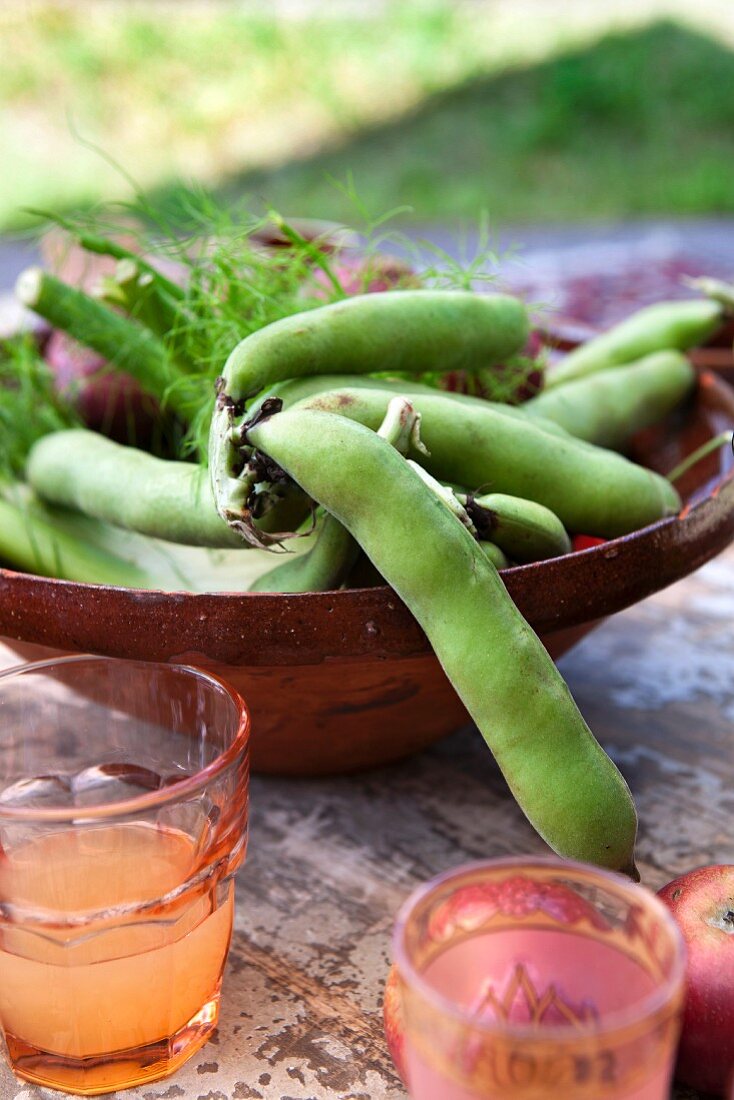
(331, 860)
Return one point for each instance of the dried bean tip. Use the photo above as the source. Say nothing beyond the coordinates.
(225, 401)
(484, 519)
(269, 407)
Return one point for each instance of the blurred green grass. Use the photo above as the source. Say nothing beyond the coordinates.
(449, 109)
(636, 124)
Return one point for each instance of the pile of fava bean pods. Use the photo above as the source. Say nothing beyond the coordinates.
(315, 424)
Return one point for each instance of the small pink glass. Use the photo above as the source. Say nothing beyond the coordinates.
(538, 979)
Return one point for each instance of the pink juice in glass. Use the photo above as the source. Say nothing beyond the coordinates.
(538, 980)
(542, 978)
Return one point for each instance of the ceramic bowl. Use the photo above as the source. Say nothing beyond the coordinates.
(338, 681)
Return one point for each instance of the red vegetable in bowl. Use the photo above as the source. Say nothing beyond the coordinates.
(107, 401)
(585, 542)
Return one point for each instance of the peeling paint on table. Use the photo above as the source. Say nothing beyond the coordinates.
(331, 860)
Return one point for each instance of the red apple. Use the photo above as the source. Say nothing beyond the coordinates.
(702, 903)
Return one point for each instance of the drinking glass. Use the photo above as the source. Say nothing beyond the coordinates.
(123, 817)
(538, 978)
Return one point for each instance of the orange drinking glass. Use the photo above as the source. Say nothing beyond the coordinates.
(538, 980)
(123, 818)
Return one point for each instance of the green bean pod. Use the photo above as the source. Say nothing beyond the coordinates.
(295, 390)
(30, 540)
(609, 407)
(497, 557)
(123, 343)
(402, 331)
(129, 488)
(85, 471)
(678, 325)
(524, 530)
(591, 490)
(569, 789)
(409, 330)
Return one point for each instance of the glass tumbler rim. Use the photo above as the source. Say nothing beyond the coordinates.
(633, 1016)
(185, 787)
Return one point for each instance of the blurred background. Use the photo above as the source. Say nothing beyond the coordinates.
(544, 116)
